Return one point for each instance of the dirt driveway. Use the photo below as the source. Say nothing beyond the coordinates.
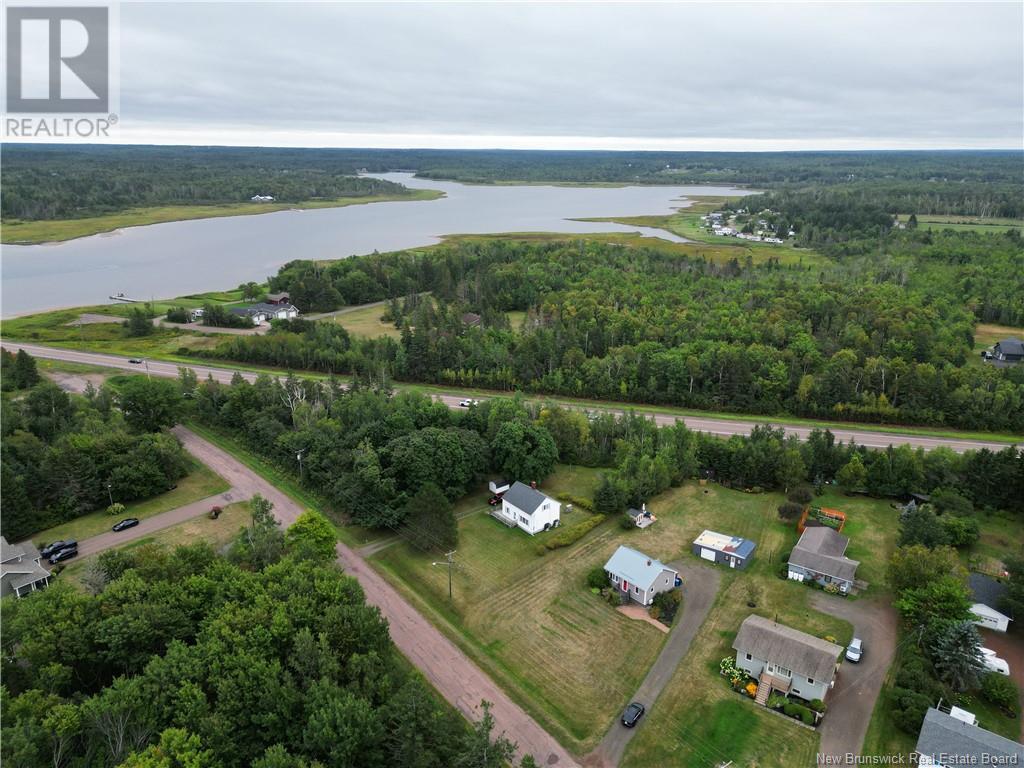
(852, 701)
(700, 585)
(447, 668)
(1011, 648)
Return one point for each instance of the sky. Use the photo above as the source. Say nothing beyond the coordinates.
(730, 76)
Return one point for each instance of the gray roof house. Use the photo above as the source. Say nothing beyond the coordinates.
(639, 577)
(20, 569)
(785, 660)
(949, 741)
(988, 595)
(820, 555)
(529, 509)
(1005, 353)
(261, 313)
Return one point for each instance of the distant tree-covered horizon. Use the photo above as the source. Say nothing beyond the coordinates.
(57, 181)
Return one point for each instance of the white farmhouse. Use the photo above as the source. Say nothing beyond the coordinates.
(528, 509)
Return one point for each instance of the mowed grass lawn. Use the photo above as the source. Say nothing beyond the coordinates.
(217, 533)
(571, 660)
(366, 321)
(198, 484)
(698, 720)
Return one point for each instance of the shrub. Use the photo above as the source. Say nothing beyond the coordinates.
(798, 712)
(832, 588)
(626, 522)
(775, 701)
(117, 508)
(817, 705)
(1001, 691)
(667, 604)
(576, 501)
(790, 510)
(801, 495)
(564, 537)
(909, 708)
(597, 578)
(177, 315)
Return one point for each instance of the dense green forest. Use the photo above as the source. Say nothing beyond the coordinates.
(185, 658)
(883, 338)
(52, 182)
(72, 182)
(63, 456)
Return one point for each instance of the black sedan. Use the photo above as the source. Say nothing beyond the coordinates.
(64, 554)
(56, 546)
(128, 522)
(633, 714)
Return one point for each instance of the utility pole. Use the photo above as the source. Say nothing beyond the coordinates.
(450, 562)
(146, 361)
(298, 457)
(110, 493)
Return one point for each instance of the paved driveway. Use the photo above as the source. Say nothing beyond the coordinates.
(700, 585)
(857, 685)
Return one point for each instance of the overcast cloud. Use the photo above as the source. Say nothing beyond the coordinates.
(688, 75)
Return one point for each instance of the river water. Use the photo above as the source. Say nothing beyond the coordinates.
(184, 257)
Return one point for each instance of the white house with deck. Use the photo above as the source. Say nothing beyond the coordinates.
(529, 509)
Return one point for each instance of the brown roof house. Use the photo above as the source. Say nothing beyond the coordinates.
(785, 660)
(820, 556)
(20, 569)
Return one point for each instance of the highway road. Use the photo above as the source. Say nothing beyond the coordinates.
(714, 426)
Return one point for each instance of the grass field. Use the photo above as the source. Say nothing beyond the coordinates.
(198, 484)
(218, 533)
(966, 223)
(529, 620)
(987, 334)
(366, 321)
(27, 232)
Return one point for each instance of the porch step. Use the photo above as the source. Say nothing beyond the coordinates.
(764, 688)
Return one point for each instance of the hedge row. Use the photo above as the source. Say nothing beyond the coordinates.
(564, 537)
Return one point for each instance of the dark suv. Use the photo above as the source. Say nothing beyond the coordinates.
(633, 714)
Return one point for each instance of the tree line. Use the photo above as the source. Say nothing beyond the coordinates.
(63, 456)
(269, 658)
(67, 183)
(882, 342)
(46, 182)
